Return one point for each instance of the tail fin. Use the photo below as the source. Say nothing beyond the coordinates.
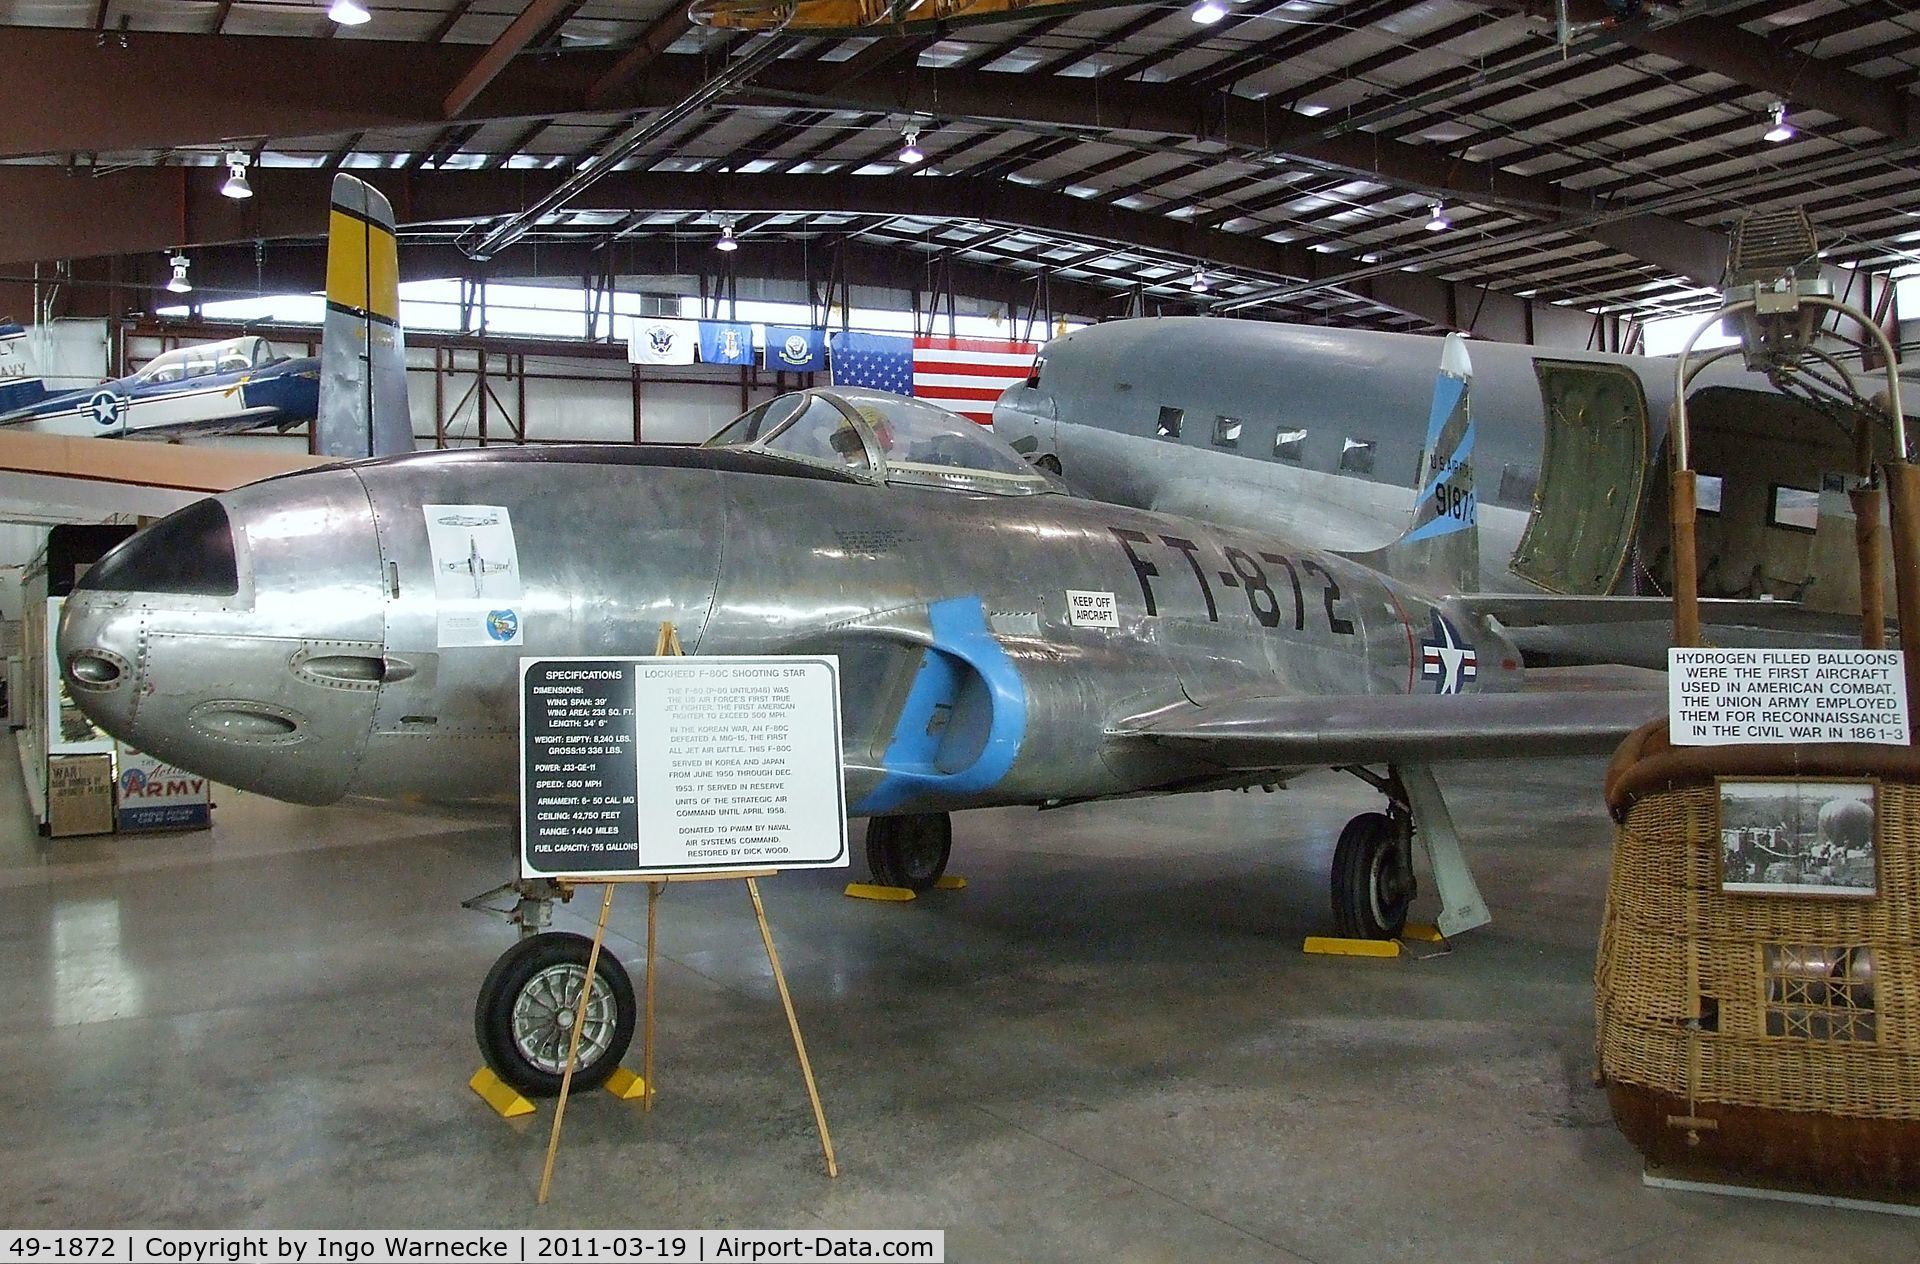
(20, 384)
(1441, 549)
(363, 352)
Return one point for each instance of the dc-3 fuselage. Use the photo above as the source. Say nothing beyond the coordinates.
(999, 642)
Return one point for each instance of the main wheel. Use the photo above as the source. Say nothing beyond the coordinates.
(524, 1016)
(1372, 887)
(909, 851)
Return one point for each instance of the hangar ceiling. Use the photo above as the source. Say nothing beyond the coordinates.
(1292, 152)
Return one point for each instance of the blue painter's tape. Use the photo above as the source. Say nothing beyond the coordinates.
(965, 656)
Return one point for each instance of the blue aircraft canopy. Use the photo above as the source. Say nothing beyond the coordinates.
(884, 438)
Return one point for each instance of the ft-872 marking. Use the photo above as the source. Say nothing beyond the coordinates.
(1245, 573)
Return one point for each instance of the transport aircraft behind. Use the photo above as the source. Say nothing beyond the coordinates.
(1314, 433)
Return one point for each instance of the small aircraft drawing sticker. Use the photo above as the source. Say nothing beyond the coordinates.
(476, 574)
(1445, 659)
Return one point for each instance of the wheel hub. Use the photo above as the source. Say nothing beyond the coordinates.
(543, 1017)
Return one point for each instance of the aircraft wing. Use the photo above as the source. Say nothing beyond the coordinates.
(1563, 711)
(1539, 610)
(1637, 630)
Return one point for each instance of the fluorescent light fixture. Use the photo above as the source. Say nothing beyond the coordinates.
(1781, 129)
(349, 12)
(1437, 221)
(727, 241)
(1207, 12)
(236, 186)
(910, 153)
(178, 283)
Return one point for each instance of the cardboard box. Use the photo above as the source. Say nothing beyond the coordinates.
(79, 795)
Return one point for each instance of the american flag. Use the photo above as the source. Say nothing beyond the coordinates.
(968, 374)
(883, 362)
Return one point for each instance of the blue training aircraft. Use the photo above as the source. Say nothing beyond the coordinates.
(239, 384)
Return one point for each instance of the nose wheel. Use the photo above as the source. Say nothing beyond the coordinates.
(909, 851)
(1373, 882)
(523, 1018)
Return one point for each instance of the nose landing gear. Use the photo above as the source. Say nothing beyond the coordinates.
(523, 1018)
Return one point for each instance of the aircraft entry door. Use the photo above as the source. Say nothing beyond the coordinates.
(1591, 478)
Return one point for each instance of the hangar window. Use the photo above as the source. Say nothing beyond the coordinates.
(1226, 432)
(1170, 419)
(1706, 493)
(1290, 445)
(1794, 508)
(1357, 455)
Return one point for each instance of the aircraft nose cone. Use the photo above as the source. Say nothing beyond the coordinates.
(100, 638)
(269, 686)
(98, 648)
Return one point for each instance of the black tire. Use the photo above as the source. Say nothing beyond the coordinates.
(909, 851)
(1367, 900)
(529, 1055)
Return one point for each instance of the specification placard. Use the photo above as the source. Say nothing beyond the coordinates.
(677, 765)
(1721, 697)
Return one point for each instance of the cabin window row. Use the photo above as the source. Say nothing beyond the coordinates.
(1357, 456)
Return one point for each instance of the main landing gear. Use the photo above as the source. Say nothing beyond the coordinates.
(909, 851)
(1373, 881)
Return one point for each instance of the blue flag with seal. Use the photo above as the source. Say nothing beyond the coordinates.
(796, 350)
(723, 342)
(883, 362)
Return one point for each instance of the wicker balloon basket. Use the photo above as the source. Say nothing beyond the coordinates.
(1756, 1034)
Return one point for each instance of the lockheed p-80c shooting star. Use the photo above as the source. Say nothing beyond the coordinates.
(1000, 642)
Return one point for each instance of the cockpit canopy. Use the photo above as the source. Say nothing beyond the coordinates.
(235, 355)
(884, 438)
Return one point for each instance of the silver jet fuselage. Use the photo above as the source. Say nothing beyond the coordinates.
(286, 638)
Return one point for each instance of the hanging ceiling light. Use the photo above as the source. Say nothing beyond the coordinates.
(349, 12)
(1437, 221)
(1200, 284)
(1207, 12)
(1781, 129)
(236, 186)
(910, 153)
(727, 241)
(178, 283)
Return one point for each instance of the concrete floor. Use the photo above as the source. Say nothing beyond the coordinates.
(1108, 1048)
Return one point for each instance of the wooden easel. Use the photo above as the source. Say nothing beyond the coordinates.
(669, 644)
